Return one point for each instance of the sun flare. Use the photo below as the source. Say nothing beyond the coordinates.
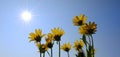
(26, 15)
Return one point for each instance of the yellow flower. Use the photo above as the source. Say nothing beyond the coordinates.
(79, 20)
(36, 36)
(39, 34)
(49, 39)
(66, 47)
(42, 47)
(78, 45)
(38, 45)
(82, 30)
(32, 36)
(89, 28)
(57, 33)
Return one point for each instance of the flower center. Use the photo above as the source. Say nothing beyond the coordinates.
(57, 37)
(67, 49)
(38, 38)
(80, 22)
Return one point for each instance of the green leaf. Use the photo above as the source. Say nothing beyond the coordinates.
(90, 50)
(88, 54)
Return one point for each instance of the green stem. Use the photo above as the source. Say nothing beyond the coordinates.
(87, 48)
(92, 45)
(51, 53)
(40, 49)
(59, 48)
(68, 54)
(48, 53)
(43, 54)
(89, 39)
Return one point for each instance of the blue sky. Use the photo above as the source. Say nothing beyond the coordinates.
(48, 14)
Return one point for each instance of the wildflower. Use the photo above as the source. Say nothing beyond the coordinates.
(42, 47)
(32, 36)
(49, 37)
(79, 20)
(57, 33)
(78, 45)
(82, 30)
(66, 47)
(49, 40)
(89, 28)
(36, 36)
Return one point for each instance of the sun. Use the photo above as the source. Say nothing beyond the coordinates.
(26, 16)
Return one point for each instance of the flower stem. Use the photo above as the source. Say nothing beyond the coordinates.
(92, 45)
(59, 48)
(68, 54)
(40, 54)
(40, 49)
(48, 53)
(89, 39)
(51, 53)
(43, 54)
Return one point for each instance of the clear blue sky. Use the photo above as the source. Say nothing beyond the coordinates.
(48, 14)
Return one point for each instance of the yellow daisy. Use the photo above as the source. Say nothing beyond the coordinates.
(36, 36)
(89, 28)
(79, 20)
(78, 45)
(66, 47)
(57, 33)
(49, 39)
(42, 47)
(82, 30)
(32, 36)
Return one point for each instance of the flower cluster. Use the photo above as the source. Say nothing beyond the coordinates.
(85, 29)
(55, 35)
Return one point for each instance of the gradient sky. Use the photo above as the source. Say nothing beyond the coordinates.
(48, 14)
